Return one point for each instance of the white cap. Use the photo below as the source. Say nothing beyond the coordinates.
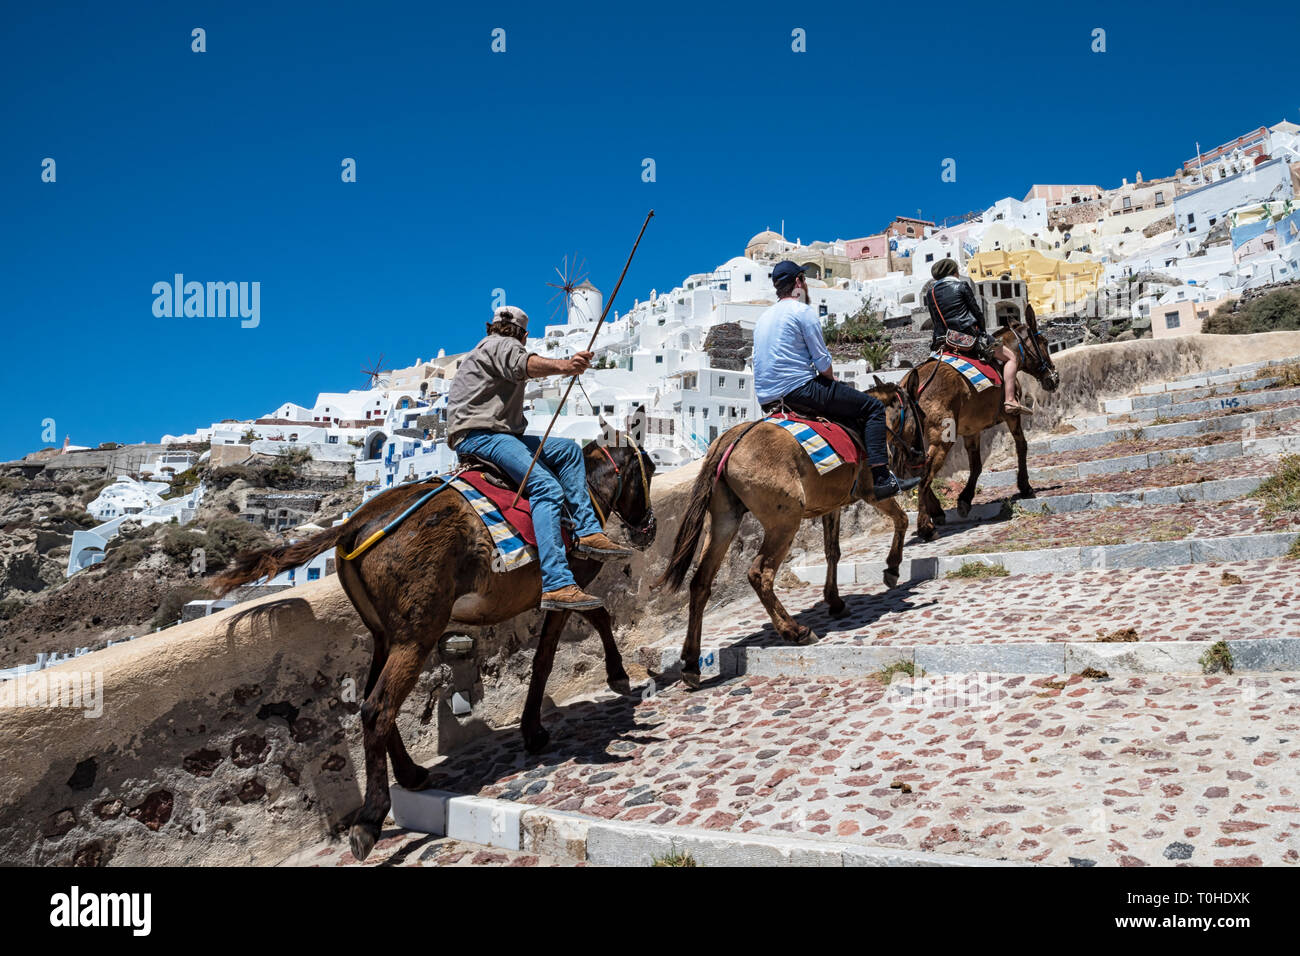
(512, 314)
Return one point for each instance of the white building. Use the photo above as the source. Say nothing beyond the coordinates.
(1198, 211)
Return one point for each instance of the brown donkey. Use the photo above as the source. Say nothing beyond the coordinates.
(769, 474)
(435, 569)
(947, 407)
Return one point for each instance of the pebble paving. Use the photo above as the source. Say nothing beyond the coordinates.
(1188, 603)
(1129, 772)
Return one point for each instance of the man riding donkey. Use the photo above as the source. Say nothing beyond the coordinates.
(954, 309)
(486, 419)
(764, 469)
(792, 367)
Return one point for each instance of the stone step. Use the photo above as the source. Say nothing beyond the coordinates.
(1221, 423)
(535, 833)
(1223, 489)
(1142, 554)
(1010, 620)
(1221, 376)
(1212, 405)
(976, 769)
(1164, 399)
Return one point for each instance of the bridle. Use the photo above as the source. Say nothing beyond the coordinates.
(912, 455)
(648, 519)
(1035, 349)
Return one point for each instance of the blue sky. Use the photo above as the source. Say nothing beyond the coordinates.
(479, 170)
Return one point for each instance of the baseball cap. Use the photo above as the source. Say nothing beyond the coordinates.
(785, 269)
(512, 314)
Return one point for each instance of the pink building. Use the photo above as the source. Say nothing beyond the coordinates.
(870, 247)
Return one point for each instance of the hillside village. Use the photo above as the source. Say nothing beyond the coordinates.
(1147, 258)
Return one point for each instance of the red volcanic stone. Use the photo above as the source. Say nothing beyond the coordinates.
(1251, 860)
(1215, 793)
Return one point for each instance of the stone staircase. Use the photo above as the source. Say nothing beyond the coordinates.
(1107, 674)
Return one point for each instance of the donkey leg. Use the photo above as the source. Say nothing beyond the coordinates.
(831, 537)
(762, 577)
(891, 509)
(535, 735)
(724, 521)
(972, 443)
(930, 512)
(615, 676)
(378, 718)
(1022, 447)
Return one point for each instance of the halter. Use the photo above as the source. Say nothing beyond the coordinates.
(1035, 347)
(603, 514)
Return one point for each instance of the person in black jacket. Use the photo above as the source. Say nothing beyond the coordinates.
(954, 307)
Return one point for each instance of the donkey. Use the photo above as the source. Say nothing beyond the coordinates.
(769, 474)
(435, 569)
(945, 406)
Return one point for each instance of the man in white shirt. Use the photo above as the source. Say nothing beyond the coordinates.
(792, 365)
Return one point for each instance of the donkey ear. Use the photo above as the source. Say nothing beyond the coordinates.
(1031, 320)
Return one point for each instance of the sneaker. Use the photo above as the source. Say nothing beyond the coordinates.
(599, 546)
(571, 598)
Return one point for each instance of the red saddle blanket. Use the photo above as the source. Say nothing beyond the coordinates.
(519, 517)
(837, 436)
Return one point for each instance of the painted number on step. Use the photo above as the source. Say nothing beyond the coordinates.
(706, 660)
(1229, 402)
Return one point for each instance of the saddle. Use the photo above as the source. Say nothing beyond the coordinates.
(491, 471)
(839, 434)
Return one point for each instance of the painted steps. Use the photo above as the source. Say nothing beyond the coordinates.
(1204, 406)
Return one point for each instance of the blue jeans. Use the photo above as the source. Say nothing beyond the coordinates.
(558, 480)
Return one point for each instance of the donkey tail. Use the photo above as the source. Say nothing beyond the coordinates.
(688, 535)
(268, 562)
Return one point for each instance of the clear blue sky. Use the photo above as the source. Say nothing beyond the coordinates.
(479, 170)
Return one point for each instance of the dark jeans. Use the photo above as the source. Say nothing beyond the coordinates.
(822, 397)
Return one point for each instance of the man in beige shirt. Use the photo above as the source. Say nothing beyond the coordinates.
(485, 418)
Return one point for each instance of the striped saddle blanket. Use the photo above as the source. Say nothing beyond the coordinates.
(980, 374)
(827, 444)
(511, 528)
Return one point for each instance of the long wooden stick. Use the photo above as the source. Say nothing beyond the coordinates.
(596, 331)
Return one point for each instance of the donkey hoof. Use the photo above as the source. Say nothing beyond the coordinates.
(838, 609)
(891, 579)
(963, 507)
(620, 685)
(925, 534)
(805, 636)
(1027, 493)
(361, 839)
(536, 741)
(419, 779)
(691, 679)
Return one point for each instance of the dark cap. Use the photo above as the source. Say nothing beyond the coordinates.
(785, 269)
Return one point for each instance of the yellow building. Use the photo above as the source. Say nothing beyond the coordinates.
(1053, 284)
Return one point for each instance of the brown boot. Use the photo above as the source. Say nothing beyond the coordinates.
(571, 598)
(598, 546)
